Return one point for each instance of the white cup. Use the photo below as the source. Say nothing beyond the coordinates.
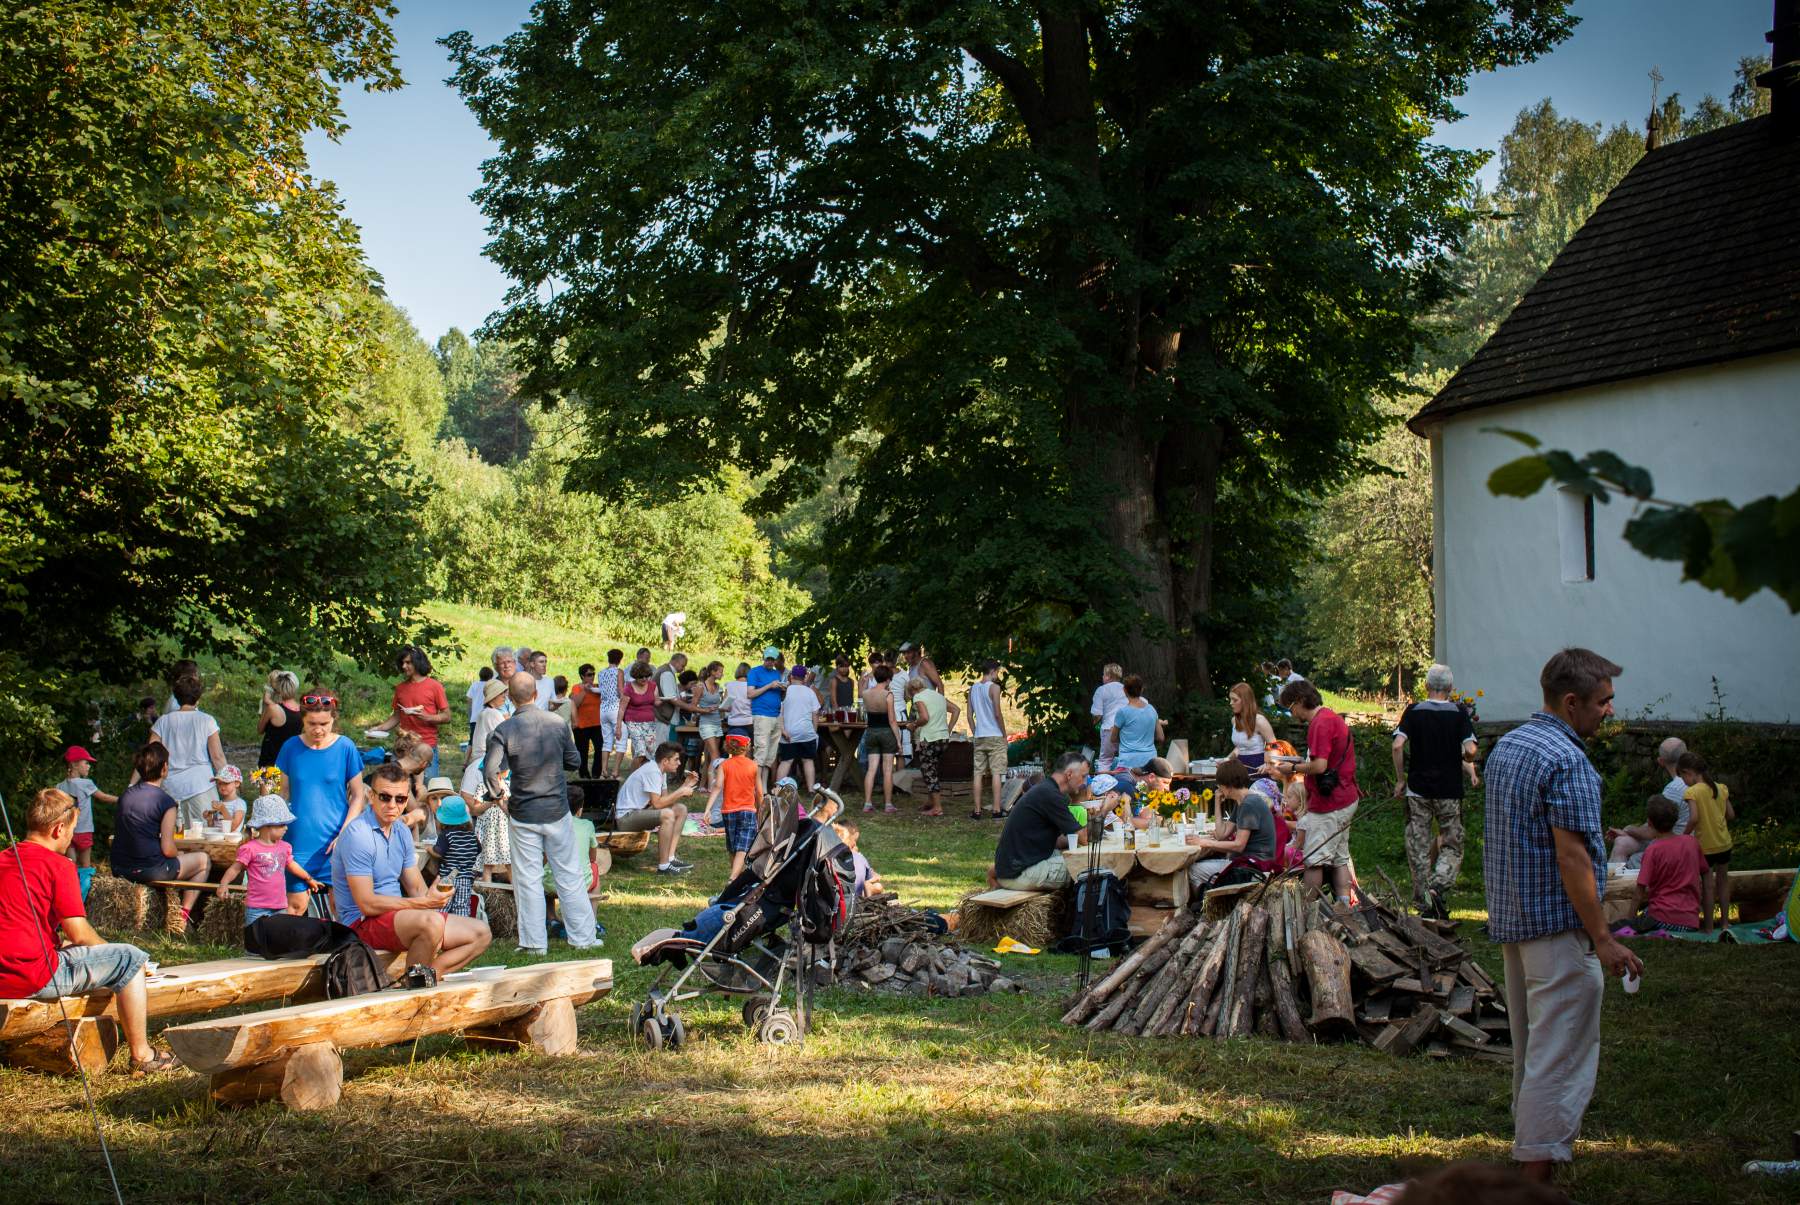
(1632, 983)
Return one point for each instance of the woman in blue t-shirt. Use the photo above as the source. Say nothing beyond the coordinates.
(1136, 726)
(322, 773)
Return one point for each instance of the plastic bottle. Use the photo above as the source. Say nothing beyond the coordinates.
(1772, 1167)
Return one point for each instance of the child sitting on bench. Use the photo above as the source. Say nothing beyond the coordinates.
(457, 853)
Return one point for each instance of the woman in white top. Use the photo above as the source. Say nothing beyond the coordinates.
(195, 752)
(1251, 732)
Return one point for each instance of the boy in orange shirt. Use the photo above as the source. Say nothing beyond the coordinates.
(737, 779)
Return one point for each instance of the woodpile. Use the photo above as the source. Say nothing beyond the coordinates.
(1276, 959)
(904, 951)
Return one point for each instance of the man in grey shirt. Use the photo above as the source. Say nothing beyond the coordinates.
(539, 750)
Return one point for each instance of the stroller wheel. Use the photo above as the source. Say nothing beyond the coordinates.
(780, 1029)
(756, 1011)
(652, 1033)
(674, 1032)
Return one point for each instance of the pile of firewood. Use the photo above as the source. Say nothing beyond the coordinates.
(1277, 959)
(904, 951)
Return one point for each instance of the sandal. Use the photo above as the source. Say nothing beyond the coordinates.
(977, 814)
(158, 1064)
(891, 810)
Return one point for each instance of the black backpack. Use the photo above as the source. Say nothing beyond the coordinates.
(354, 970)
(1102, 914)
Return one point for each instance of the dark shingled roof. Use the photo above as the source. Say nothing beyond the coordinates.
(1694, 258)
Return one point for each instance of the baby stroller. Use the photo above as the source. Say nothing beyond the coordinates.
(797, 876)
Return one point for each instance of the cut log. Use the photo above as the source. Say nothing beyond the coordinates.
(306, 1077)
(1461, 1028)
(1088, 1002)
(197, 987)
(471, 1000)
(1328, 976)
(547, 1029)
(1251, 959)
(1284, 1004)
(1487, 1054)
(79, 1046)
(1162, 985)
(1168, 1010)
(1369, 962)
(1404, 1037)
(1441, 950)
(1199, 997)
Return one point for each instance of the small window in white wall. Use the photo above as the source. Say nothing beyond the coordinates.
(1575, 523)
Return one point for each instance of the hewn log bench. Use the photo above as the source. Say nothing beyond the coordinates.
(292, 1054)
(32, 1032)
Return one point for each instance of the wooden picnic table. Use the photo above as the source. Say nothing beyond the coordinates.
(841, 737)
(220, 848)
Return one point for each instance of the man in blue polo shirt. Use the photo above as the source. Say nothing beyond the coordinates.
(379, 893)
(764, 686)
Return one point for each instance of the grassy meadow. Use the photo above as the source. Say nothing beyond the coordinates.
(988, 1098)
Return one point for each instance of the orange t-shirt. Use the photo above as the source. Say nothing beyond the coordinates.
(587, 706)
(739, 794)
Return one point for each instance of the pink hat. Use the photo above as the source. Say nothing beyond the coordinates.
(77, 753)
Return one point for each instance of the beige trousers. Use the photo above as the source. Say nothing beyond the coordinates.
(1553, 987)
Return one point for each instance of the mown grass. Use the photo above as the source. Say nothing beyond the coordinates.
(988, 1098)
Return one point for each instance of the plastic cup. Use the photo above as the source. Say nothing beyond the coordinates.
(1632, 982)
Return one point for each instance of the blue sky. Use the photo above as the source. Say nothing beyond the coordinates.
(412, 157)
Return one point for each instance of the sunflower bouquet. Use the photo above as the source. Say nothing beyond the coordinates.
(266, 778)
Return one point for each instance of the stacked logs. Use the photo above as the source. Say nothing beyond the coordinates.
(904, 951)
(1275, 959)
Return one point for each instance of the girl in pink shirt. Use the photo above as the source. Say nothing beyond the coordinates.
(266, 860)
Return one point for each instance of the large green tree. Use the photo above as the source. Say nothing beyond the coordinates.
(197, 439)
(1103, 282)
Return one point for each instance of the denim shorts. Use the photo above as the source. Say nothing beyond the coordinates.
(252, 915)
(84, 969)
(740, 830)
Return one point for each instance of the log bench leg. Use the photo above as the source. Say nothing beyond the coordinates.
(68, 1048)
(306, 1077)
(549, 1028)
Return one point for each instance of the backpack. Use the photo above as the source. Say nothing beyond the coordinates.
(353, 970)
(1102, 914)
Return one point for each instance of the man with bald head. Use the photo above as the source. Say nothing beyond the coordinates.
(538, 748)
(1628, 844)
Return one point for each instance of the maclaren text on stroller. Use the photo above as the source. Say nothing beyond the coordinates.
(798, 875)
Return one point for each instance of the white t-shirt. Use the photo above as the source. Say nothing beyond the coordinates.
(737, 703)
(546, 690)
(675, 621)
(799, 714)
(184, 735)
(646, 782)
(1107, 700)
(475, 699)
(983, 719)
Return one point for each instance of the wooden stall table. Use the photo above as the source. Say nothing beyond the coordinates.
(841, 737)
(1152, 875)
(220, 848)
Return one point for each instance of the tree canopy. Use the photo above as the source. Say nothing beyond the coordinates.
(1086, 289)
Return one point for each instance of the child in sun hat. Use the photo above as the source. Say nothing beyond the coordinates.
(266, 861)
(79, 787)
(458, 852)
(227, 811)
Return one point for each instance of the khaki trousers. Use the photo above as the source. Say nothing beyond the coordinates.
(1553, 987)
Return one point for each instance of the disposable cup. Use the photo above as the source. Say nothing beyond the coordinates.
(1632, 983)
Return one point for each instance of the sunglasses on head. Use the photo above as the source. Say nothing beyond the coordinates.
(384, 797)
(325, 700)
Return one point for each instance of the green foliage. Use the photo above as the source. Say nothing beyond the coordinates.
(1061, 281)
(189, 346)
(483, 406)
(1734, 550)
(1369, 588)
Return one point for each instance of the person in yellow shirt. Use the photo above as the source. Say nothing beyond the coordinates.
(1713, 813)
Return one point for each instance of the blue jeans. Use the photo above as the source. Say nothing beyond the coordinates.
(84, 969)
(252, 915)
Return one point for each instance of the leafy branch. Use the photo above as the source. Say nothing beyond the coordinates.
(1731, 549)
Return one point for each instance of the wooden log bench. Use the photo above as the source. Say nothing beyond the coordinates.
(33, 1033)
(293, 1054)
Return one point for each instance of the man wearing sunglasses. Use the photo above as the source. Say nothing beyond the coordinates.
(380, 894)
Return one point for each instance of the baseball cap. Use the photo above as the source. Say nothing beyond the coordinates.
(770, 653)
(77, 753)
(737, 740)
(230, 774)
(906, 646)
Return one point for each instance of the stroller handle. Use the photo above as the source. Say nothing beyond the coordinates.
(836, 800)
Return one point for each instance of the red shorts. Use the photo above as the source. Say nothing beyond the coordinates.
(377, 932)
(83, 841)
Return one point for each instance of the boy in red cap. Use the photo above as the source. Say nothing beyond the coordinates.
(738, 807)
(79, 787)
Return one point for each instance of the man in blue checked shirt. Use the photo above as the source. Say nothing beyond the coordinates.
(1546, 868)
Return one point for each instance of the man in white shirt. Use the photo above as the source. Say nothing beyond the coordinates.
(546, 686)
(647, 804)
(800, 708)
(1107, 700)
(674, 627)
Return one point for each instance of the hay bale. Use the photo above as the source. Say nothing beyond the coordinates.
(221, 920)
(1036, 922)
(624, 845)
(502, 913)
(115, 905)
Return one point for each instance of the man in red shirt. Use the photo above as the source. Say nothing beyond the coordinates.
(1330, 763)
(420, 704)
(40, 894)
